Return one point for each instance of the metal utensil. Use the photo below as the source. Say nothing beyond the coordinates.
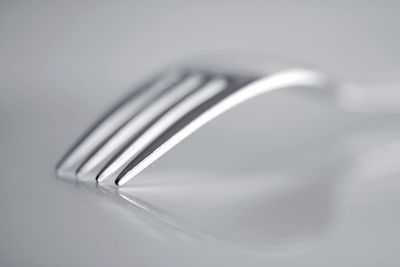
(162, 112)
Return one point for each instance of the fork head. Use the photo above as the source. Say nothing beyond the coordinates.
(166, 109)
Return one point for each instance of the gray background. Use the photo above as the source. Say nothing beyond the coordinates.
(317, 186)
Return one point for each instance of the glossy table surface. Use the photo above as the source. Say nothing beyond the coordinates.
(282, 180)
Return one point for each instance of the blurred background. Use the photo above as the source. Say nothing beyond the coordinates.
(319, 185)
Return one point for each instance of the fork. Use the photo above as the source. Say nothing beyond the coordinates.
(165, 110)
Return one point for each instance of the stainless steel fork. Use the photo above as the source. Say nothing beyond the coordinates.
(162, 112)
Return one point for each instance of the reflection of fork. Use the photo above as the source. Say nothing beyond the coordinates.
(163, 112)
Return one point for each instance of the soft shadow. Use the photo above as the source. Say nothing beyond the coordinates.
(275, 192)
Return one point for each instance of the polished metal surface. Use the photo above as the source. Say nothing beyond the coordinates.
(119, 148)
(287, 178)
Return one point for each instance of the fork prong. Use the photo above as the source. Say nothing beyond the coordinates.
(116, 117)
(170, 117)
(229, 98)
(162, 113)
(138, 124)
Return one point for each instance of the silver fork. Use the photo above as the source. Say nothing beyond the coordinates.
(167, 109)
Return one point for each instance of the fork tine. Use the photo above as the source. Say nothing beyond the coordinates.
(137, 124)
(162, 113)
(218, 104)
(113, 120)
(202, 94)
